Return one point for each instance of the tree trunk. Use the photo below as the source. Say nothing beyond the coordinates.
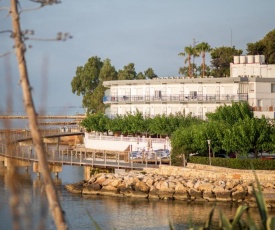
(189, 66)
(54, 204)
(203, 64)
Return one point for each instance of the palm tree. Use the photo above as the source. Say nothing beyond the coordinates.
(202, 48)
(190, 51)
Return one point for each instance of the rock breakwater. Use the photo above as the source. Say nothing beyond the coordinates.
(153, 186)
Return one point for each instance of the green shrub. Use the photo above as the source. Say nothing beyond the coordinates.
(235, 163)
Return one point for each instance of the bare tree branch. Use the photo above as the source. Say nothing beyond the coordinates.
(4, 8)
(54, 204)
(6, 31)
(59, 37)
(5, 54)
(30, 9)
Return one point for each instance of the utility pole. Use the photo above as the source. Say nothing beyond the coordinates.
(194, 44)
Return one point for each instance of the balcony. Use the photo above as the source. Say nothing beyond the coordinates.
(176, 98)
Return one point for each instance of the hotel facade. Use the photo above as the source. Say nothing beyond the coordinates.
(250, 80)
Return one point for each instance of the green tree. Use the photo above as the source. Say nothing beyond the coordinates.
(230, 114)
(248, 134)
(116, 124)
(184, 71)
(150, 74)
(107, 72)
(215, 132)
(96, 122)
(207, 71)
(128, 72)
(203, 48)
(135, 123)
(221, 59)
(189, 51)
(86, 80)
(140, 76)
(265, 46)
(158, 125)
(186, 140)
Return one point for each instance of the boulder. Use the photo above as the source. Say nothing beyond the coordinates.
(223, 196)
(108, 190)
(142, 187)
(93, 189)
(195, 194)
(239, 195)
(208, 195)
(181, 194)
(205, 187)
(76, 187)
(153, 193)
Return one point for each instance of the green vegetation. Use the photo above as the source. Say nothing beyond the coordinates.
(265, 46)
(89, 78)
(136, 124)
(221, 57)
(88, 81)
(231, 129)
(235, 163)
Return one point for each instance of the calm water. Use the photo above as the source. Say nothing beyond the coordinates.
(108, 212)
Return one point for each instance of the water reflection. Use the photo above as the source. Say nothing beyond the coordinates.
(109, 212)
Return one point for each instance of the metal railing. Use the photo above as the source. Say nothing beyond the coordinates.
(82, 158)
(176, 98)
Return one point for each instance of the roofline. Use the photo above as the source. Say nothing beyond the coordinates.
(178, 80)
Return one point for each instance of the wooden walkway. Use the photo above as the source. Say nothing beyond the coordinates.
(103, 159)
(80, 157)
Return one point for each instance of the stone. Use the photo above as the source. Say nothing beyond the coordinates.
(139, 194)
(217, 189)
(190, 184)
(181, 195)
(101, 179)
(153, 194)
(194, 194)
(109, 191)
(142, 187)
(76, 187)
(239, 195)
(206, 187)
(223, 196)
(164, 195)
(93, 189)
(149, 182)
(208, 195)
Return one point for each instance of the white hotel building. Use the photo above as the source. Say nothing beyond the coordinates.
(250, 80)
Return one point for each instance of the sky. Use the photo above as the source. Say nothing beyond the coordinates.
(148, 33)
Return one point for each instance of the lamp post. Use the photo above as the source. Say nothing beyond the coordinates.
(209, 154)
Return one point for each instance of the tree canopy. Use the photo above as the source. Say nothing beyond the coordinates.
(202, 48)
(265, 46)
(88, 81)
(221, 59)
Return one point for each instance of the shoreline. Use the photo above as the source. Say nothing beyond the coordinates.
(146, 185)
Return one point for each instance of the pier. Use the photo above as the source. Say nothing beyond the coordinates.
(16, 150)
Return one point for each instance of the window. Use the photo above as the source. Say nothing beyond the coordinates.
(272, 88)
(157, 94)
(193, 94)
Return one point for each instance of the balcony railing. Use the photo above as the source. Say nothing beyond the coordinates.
(210, 98)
